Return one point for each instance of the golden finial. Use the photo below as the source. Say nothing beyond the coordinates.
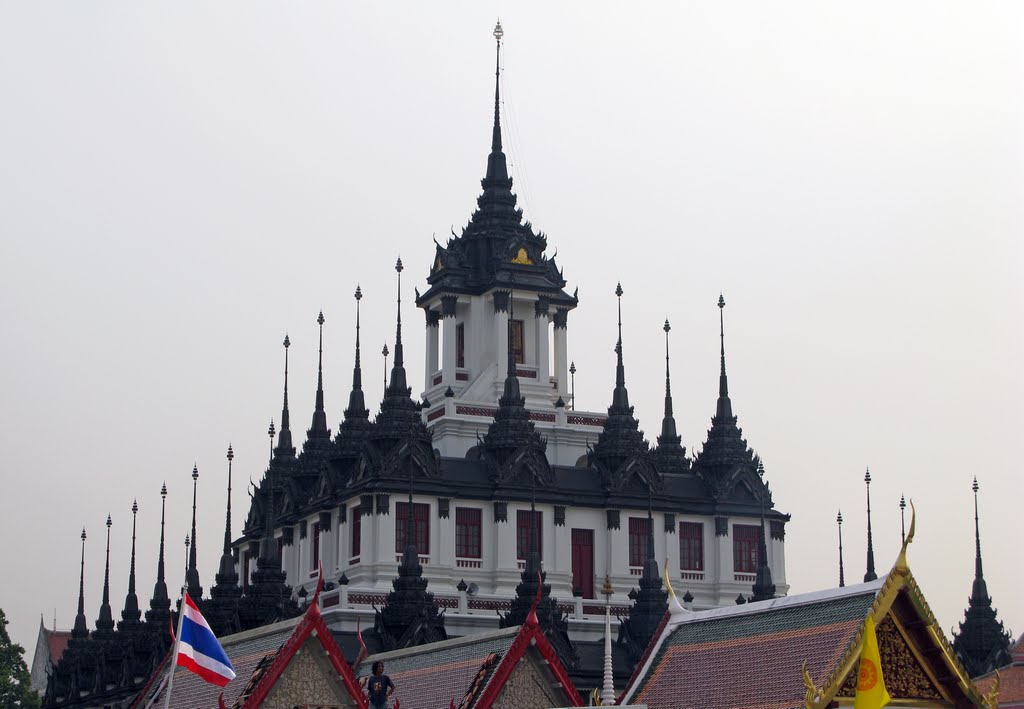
(901, 561)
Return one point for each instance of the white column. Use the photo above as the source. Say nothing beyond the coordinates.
(448, 351)
(501, 299)
(543, 354)
(444, 547)
(671, 558)
(724, 571)
(505, 544)
(431, 353)
(618, 548)
(561, 354)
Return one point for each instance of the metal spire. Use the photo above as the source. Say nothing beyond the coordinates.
(160, 603)
(105, 621)
(398, 385)
(385, 352)
(192, 576)
(81, 629)
(268, 549)
(764, 588)
(496, 131)
(319, 427)
(356, 402)
(870, 575)
(284, 442)
(668, 436)
(839, 523)
(130, 615)
(620, 397)
(227, 562)
(978, 575)
(724, 404)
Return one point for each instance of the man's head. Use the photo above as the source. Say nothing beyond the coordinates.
(378, 668)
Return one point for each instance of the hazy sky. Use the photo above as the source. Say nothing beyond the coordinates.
(182, 183)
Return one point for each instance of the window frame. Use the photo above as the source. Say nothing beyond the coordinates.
(523, 534)
(639, 531)
(421, 528)
(469, 532)
(746, 542)
(691, 538)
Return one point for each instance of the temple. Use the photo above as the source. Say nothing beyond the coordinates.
(484, 504)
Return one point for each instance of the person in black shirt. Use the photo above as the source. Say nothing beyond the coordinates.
(379, 687)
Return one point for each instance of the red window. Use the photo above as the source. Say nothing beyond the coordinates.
(518, 347)
(460, 345)
(420, 530)
(746, 538)
(245, 570)
(315, 560)
(357, 532)
(639, 528)
(583, 562)
(691, 546)
(523, 533)
(467, 532)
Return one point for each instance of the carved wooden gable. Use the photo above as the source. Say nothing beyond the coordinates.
(905, 675)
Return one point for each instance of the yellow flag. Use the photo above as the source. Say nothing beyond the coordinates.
(871, 691)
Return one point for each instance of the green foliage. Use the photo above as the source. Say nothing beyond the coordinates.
(15, 686)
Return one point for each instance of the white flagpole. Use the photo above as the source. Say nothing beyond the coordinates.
(174, 653)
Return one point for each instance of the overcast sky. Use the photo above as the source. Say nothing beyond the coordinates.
(182, 183)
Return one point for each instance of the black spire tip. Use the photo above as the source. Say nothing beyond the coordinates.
(318, 429)
(192, 575)
(105, 621)
(356, 402)
(870, 575)
(81, 629)
(620, 397)
(130, 614)
(839, 524)
(284, 443)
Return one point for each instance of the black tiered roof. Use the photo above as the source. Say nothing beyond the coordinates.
(982, 643)
(496, 249)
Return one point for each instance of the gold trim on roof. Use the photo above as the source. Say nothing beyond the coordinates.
(899, 579)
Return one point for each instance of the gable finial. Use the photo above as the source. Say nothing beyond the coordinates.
(839, 524)
(319, 427)
(81, 629)
(870, 575)
(903, 519)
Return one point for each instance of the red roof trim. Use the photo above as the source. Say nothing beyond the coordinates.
(511, 660)
(311, 621)
(651, 647)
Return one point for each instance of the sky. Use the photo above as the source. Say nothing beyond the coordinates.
(183, 183)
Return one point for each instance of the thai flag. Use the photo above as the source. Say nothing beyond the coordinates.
(198, 649)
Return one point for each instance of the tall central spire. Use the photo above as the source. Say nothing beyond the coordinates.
(192, 577)
(131, 614)
(81, 629)
(670, 452)
(319, 430)
(227, 563)
(620, 397)
(398, 384)
(497, 169)
(160, 603)
(285, 449)
(105, 621)
(356, 401)
(980, 590)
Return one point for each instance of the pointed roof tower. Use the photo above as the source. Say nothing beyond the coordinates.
(105, 621)
(399, 418)
(222, 608)
(670, 454)
(319, 435)
(268, 598)
(285, 449)
(81, 629)
(409, 616)
(511, 443)
(131, 615)
(982, 643)
(621, 441)
(724, 452)
(160, 604)
(870, 574)
(533, 597)
(764, 587)
(496, 249)
(195, 590)
(356, 426)
(651, 601)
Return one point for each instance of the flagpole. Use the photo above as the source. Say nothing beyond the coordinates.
(174, 653)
